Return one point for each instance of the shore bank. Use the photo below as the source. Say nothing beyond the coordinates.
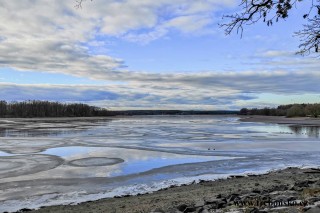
(288, 190)
(281, 120)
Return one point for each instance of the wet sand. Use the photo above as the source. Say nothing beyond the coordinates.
(288, 190)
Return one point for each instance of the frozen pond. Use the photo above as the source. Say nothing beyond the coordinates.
(62, 161)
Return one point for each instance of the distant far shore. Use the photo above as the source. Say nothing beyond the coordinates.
(307, 121)
(47, 109)
(281, 120)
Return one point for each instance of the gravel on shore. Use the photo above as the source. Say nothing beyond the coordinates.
(288, 191)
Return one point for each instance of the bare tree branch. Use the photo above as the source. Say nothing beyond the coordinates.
(271, 11)
(310, 36)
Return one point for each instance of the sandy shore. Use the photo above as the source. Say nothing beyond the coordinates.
(281, 120)
(288, 190)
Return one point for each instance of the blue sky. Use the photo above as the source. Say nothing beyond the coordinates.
(143, 54)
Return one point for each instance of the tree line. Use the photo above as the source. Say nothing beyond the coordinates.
(35, 108)
(289, 110)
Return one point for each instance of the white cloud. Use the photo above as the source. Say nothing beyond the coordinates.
(145, 38)
(190, 23)
(285, 60)
(276, 53)
(54, 36)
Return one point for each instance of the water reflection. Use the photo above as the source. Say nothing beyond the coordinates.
(310, 131)
(132, 160)
(44, 128)
(36, 133)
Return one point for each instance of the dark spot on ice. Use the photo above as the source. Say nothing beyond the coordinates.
(95, 161)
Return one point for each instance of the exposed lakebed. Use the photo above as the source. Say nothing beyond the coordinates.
(60, 161)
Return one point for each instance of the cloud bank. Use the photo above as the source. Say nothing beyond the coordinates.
(197, 91)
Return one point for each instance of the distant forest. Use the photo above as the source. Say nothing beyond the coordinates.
(290, 110)
(26, 109)
(34, 108)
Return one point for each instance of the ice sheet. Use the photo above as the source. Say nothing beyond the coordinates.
(60, 161)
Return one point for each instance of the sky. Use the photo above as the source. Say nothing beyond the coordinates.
(146, 54)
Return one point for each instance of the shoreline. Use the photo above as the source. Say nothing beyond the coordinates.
(242, 118)
(307, 121)
(287, 190)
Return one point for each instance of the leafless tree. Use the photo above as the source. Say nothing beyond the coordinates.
(310, 36)
(271, 11)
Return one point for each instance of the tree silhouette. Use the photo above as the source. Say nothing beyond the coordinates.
(289, 110)
(270, 11)
(49, 109)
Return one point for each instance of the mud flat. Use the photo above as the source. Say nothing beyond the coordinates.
(288, 190)
(281, 120)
